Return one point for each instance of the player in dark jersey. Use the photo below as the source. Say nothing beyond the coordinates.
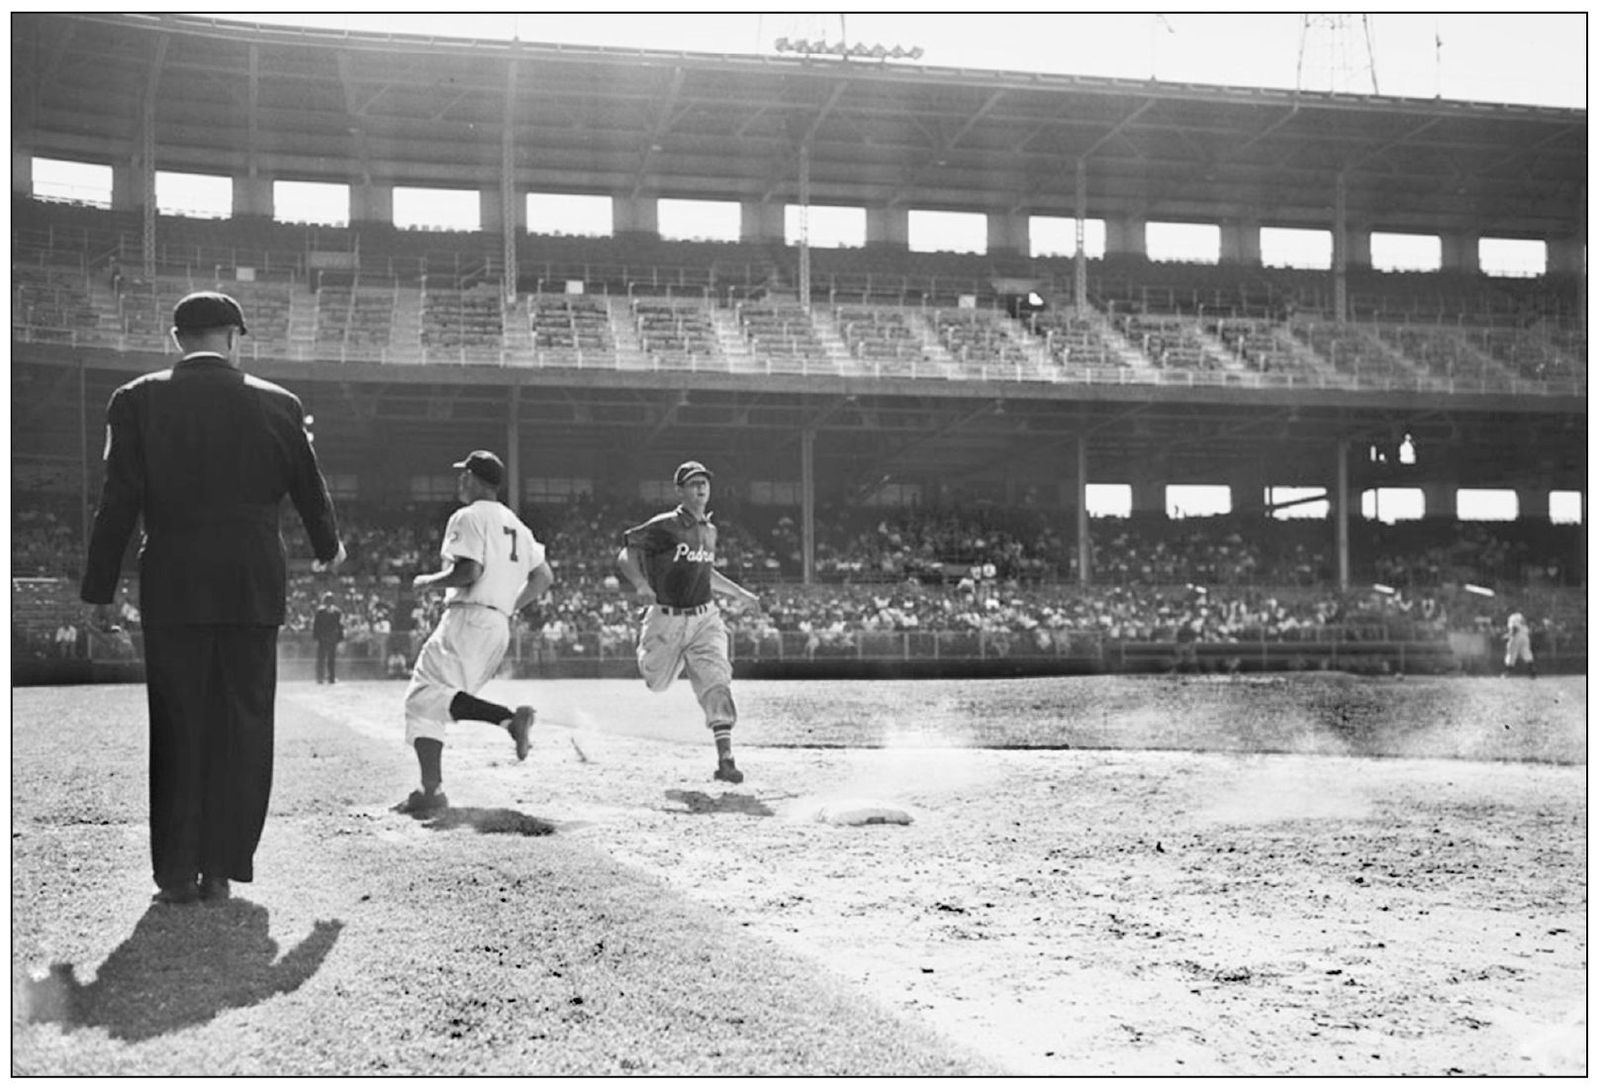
(669, 560)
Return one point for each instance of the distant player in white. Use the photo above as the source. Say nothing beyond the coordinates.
(1518, 645)
(493, 567)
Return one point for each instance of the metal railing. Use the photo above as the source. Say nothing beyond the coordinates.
(985, 371)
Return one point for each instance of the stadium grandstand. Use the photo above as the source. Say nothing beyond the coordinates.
(905, 445)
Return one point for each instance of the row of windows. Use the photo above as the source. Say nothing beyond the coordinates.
(1386, 505)
(929, 231)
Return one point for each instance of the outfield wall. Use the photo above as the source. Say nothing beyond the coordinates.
(909, 655)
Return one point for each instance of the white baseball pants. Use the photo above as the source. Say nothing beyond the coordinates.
(462, 654)
(701, 646)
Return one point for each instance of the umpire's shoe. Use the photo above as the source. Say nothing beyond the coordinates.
(519, 726)
(728, 772)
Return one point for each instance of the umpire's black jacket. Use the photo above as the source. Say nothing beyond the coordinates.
(206, 453)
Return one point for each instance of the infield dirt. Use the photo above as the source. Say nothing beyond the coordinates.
(1276, 875)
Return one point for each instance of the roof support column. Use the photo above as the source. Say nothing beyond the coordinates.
(1081, 239)
(1239, 242)
(886, 226)
(808, 506)
(1340, 515)
(372, 202)
(515, 475)
(805, 283)
(1008, 234)
(1083, 523)
(1340, 248)
(1459, 251)
(1148, 489)
(510, 216)
(147, 156)
(21, 170)
(1438, 499)
(635, 214)
(253, 195)
(1126, 233)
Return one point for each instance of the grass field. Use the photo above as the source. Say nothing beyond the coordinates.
(1281, 875)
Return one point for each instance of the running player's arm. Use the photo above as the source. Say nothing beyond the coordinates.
(535, 587)
(728, 587)
(630, 564)
(458, 571)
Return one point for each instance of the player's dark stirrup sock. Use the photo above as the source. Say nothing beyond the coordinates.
(472, 707)
(721, 741)
(429, 751)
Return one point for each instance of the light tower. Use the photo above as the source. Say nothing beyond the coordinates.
(1335, 54)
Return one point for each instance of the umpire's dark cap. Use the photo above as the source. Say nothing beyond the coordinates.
(485, 465)
(690, 469)
(207, 310)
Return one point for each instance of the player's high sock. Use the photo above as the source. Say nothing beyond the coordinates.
(429, 751)
(721, 741)
(472, 707)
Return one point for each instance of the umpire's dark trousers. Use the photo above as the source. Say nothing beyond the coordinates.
(211, 689)
(326, 655)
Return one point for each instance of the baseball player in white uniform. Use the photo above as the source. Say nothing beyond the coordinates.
(1518, 645)
(492, 567)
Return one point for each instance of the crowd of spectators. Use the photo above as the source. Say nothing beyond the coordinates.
(986, 570)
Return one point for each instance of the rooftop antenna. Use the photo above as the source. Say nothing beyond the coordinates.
(1335, 54)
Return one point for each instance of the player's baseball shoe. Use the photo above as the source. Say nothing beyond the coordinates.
(728, 772)
(214, 889)
(523, 718)
(420, 804)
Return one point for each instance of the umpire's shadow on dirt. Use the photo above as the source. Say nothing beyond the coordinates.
(182, 966)
(697, 802)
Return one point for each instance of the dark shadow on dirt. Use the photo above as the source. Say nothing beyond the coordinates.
(697, 802)
(182, 966)
(491, 822)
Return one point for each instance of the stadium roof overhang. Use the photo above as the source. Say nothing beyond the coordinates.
(320, 105)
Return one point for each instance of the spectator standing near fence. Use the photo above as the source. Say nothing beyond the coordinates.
(1518, 644)
(669, 560)
(205, 454)
(328, 629)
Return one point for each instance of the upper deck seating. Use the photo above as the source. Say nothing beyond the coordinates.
(1074, 343)
(571, 328)
(1532, 354)
(1353, 351)
(880, 339)
(783, 338)
(1259, 347)
(1169, 343)
(462, 319)
(675, 335)
(47, 298)
(977, 340)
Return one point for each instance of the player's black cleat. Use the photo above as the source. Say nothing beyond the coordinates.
(420, 804)
(523, 718)
(728, 772)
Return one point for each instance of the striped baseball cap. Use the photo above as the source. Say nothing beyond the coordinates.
(689, 469)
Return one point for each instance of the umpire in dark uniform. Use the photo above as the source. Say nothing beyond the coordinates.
(206, 454)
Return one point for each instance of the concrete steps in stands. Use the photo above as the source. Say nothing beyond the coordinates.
(737, 351)
(302, 330)
(836, 350)
(407, 326)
